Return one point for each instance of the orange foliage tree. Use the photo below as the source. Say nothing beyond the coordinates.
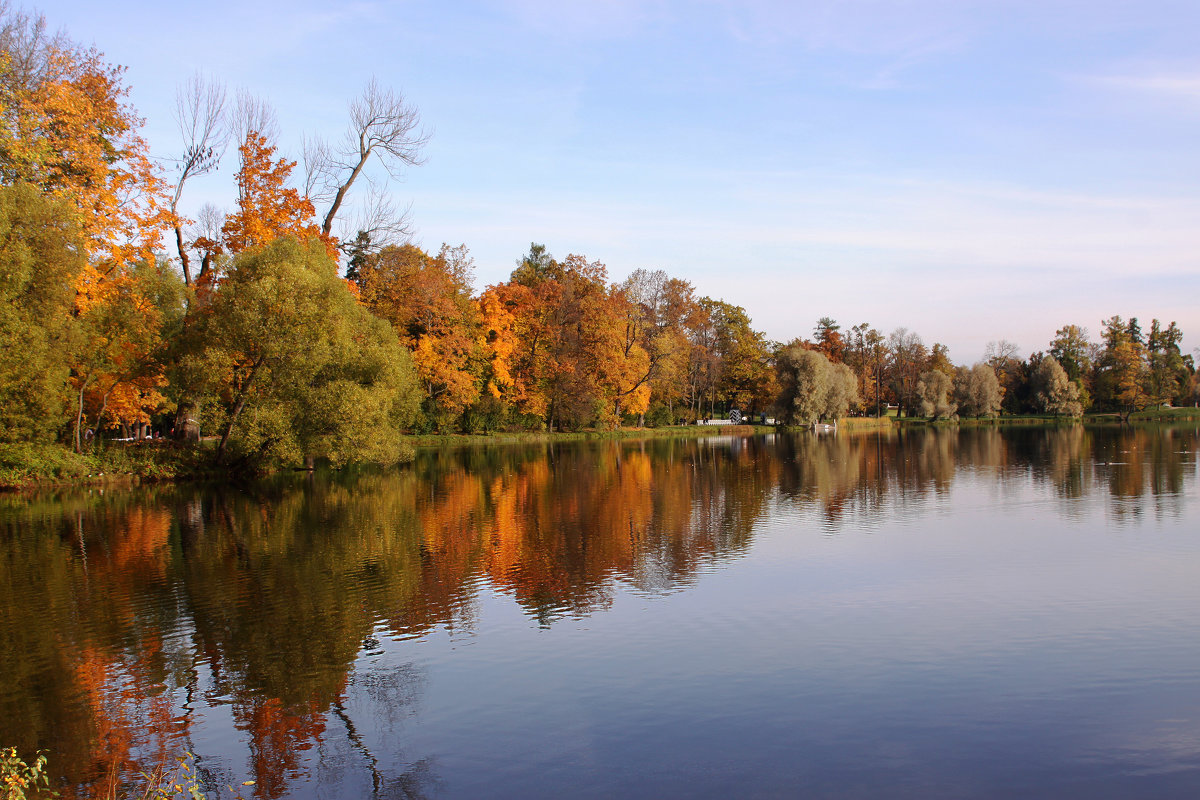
(67, 129)
(267, 208)
(428, 301)
(559, 344)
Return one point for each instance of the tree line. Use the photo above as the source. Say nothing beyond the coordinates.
(301, 323)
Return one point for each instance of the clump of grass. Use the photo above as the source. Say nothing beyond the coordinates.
(26, 464)
(23, 463)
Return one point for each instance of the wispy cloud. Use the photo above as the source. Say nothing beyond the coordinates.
(1184, 84)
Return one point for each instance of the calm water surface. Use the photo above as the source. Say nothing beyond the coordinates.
(935, 614)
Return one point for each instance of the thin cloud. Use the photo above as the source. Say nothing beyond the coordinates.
(1185, 85)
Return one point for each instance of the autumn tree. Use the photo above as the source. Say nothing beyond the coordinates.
(532, 327)
(907, 357)
(1123, 378)
(428, 301)
(746, 379)
(119, 372)
(864, 355)
(602, 368)
(1003, 357)
(1128, 373)
(267, 208)
(939, 359)
(829, 340)
(661, 311)
(1168, 371)
(67, 128)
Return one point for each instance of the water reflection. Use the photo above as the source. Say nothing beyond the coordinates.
(135, 624)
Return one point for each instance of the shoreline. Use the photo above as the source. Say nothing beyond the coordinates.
(27, 467)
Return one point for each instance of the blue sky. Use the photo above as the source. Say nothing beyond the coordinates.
(970, 170)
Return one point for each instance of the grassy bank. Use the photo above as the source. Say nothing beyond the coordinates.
(866, 423)
(1166, 415)
(1149, 415)
(24, 465)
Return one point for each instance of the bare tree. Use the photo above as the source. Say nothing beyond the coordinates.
(27, 47)
(378, 216)
(200, 115)
(314, 155)
(252, 114)
(382, 124)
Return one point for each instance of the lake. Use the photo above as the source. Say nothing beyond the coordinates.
(974, 613)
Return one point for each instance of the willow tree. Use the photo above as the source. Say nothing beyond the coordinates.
(933, 392)
(977, 391)
(302, 369)
(1054, 391)
(811, 387)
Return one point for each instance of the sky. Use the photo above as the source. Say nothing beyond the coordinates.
(972, 171)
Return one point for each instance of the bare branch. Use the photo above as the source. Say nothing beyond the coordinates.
(380, 219)
(199, 113)
(318, 167)
(382, 123)
(206, 236)
(253, 113)
(27, 47)
(209, 223)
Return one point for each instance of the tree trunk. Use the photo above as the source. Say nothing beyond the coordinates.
(237, 409)
(79, 417)
(187, 429)
(184, 262)
(327, 224)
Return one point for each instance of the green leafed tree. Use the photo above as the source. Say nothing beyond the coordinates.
(304, 371)
(41, 254)
(1168, 372)
(1072, 350)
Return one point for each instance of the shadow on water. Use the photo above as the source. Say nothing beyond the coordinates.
(130, 618)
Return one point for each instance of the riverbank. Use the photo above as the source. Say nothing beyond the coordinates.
(1102, 418)
(538, 437)
(28, 466)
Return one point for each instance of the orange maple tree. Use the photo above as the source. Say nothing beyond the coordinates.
(267, 208)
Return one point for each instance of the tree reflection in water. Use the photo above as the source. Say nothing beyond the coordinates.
(130, 620)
